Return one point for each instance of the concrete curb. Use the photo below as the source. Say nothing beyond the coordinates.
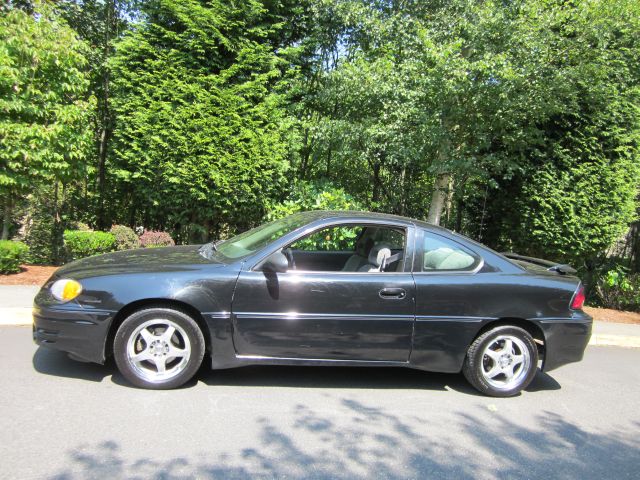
(22, 317)
(604, 340)
(15, 316)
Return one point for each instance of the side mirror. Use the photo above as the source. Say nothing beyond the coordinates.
(276, 262)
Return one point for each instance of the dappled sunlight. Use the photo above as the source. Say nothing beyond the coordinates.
(355, 439)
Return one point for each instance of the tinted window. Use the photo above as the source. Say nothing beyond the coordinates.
(349, 248)
(440, 253)
(250, 241)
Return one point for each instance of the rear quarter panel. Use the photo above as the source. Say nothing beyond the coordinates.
(451, 309)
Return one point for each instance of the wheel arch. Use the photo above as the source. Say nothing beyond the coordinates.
(132, 307)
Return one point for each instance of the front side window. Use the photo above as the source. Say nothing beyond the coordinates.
(349, 248)
(338, 239)
(442, 254)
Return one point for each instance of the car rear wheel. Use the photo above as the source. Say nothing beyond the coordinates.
(158, 348)
(502, 361)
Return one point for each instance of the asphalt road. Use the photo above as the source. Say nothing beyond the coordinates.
(67, 420)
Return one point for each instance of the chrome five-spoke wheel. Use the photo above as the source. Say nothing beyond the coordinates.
(505, 362)
(158, 347)
(158, 350)
(502, 361)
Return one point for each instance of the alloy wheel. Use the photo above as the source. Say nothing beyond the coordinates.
(158, 350)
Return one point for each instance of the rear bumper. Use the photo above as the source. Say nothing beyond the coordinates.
(565, 339)
(72, 329)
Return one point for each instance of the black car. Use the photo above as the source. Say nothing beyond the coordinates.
(319, 288)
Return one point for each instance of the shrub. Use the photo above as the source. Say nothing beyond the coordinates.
(82, 227)
(12, 255)
(151, 238)
(313, 196)
(40, 231)
(80, 244)
(619, 289)
(126, 238)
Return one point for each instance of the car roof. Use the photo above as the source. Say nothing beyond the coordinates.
(359, 216)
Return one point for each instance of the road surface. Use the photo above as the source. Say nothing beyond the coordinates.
(67, 420)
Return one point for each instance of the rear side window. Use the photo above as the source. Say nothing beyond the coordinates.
(442, 254)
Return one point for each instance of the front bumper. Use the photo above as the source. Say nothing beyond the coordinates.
(74, 329)
(565, 340)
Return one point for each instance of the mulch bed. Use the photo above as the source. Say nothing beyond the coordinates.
(30, 275)
(37, 275)
(613, 316)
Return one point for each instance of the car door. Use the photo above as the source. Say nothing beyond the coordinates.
(334, 315)
(448, 296)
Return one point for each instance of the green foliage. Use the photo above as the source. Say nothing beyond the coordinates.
(42, 227)
(81, 244)
(577, 193)
(330, 239)
(12, 255)
(200, 134)
(125, 237)
(619, 289)
(319, 196)
(312, 196)
(44, 110)
(518, 121)
(152, 239)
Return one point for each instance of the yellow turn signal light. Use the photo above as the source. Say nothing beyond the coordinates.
(66, 289)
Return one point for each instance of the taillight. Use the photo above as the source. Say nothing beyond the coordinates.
(578, 298)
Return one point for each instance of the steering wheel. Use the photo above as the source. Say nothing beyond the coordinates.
(289, 254)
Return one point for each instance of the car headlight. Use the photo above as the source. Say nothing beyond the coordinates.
(66, 289)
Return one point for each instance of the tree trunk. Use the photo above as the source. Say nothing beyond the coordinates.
(105, 127)
(375, 194)
(6, 219)
(443, 182)
(459, 208)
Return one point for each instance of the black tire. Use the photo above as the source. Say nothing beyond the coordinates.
(477, 361)
(187, 364)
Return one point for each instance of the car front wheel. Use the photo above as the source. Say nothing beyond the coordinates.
(158, 348)
(502, 361)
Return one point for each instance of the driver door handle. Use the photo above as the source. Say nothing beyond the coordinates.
(392, 293)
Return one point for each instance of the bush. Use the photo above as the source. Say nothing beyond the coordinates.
(12, 255)
(313, 196)
(40, 231)
(619, 289)
(80, 244)
(126, 238)
(82, 227)
(151, 238)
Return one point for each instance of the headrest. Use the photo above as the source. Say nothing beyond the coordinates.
(363, 245)
(379, 253)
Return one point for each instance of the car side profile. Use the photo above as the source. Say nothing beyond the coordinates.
(319, 288)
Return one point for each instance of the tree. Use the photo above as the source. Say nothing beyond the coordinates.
(577, 195)
(100, 23)
(44, 109)
(199, 138)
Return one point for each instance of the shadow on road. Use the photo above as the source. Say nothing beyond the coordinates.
(52, 362)
(58, 364)
(370, 442)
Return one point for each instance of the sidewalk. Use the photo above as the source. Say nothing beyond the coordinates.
(16, 301)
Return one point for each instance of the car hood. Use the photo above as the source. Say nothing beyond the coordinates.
(141, 260)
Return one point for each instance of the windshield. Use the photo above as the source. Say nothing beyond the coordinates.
(253, 240)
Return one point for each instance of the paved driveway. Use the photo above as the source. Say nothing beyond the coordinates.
(67, 420)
